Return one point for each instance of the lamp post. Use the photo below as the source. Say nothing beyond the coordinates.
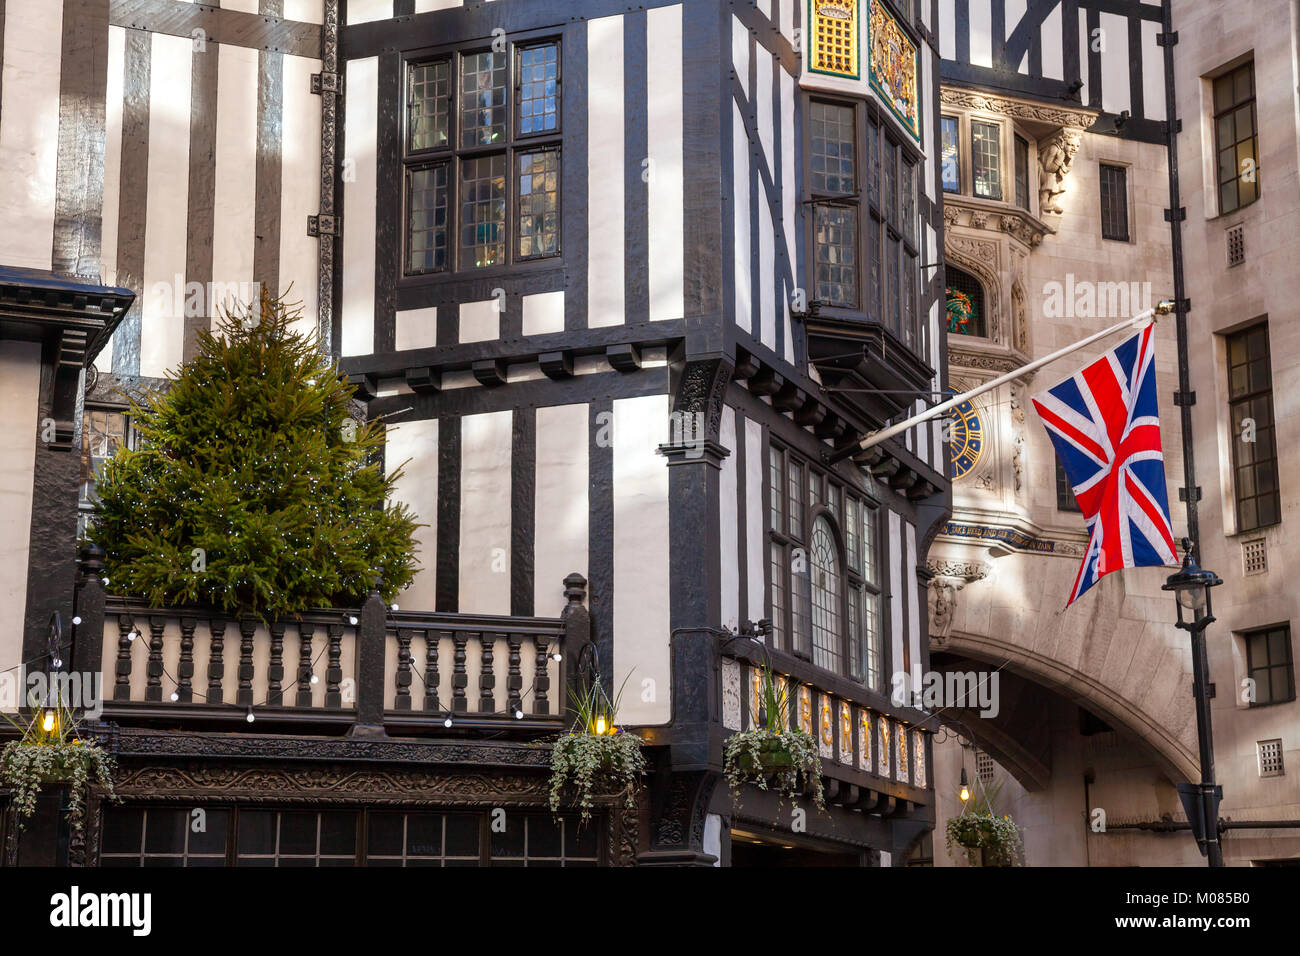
(1191, 586)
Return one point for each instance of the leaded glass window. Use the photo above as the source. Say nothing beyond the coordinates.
(485, 190)
(825, 593)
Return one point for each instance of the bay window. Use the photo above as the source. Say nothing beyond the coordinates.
(824, 572)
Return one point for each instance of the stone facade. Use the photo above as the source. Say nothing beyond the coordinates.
(1116, 654)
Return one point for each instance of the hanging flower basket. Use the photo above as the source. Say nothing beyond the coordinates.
(28, 767)
(596, 757)
(584, 764)
(786, 762)
(993, 839)
(50, 755)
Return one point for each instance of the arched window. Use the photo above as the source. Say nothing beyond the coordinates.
(965, 303)
(823, 567)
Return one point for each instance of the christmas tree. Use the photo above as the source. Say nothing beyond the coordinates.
(253, 488)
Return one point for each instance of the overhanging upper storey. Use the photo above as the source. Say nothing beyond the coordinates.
(1102, 55)
(74, 316)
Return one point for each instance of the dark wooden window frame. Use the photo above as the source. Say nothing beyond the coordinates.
(1217, 114)
(1247, 397)
(455, 152)
(1020, 150)
(1115, 216)
(876, 223)
(1269, 664)
(361, 855)
(1065, 500)
(789, 537)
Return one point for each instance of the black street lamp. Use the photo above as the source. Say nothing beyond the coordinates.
(1191, 586)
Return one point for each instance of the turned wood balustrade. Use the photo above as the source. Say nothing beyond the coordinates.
(366, 671)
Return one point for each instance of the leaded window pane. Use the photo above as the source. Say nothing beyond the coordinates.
(836, 229)
(483, 211)
(539, 89)
(833, 149)
(482, 98)
(426, 223)
(539, 204)
(429, 105)
(986, 159)
(823, 569)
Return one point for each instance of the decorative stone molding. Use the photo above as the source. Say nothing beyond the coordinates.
(995, 217)
(1034, 112)
(949, 578)
(967, 571)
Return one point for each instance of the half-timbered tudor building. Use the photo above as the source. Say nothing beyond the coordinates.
(626, 286)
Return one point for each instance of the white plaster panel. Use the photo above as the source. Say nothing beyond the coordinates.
(29, 131)
(485, 476)
(605, 164)
(561, 506)
(20, 380)
(543, 313)
(162, 323)
(359, 148)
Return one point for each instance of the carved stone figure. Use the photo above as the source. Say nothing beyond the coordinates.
(1055, 157)
(1020, 316)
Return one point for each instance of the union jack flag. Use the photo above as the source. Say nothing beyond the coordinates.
(1105, 424)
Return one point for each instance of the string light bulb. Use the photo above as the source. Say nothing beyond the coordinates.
(251, 717)
(557, 657)
(49, 722)
(965, 787)
(447, 722)
(600, 725)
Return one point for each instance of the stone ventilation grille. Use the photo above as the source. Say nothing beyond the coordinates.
(983, 766)
(1270, 758)
(1254, 556)
(1236, 245)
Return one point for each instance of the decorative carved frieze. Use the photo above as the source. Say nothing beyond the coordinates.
(959, 98)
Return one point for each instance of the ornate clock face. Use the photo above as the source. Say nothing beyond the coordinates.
(967, 444)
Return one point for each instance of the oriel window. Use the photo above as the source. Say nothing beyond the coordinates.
(825, 575)
(482, 159)
(833, 169)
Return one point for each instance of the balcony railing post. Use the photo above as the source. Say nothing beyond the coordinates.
(88, 636)
(372, 638)
(577, 635)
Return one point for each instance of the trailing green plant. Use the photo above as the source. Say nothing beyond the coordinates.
(595, 755)
(253, 487)
(772, 750)
(51, 752)
(979, 827)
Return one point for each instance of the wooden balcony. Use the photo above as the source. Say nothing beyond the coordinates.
(368, 671)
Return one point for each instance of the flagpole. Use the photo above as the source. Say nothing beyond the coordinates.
(875, 438)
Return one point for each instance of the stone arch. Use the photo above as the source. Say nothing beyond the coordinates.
(1170, 751)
